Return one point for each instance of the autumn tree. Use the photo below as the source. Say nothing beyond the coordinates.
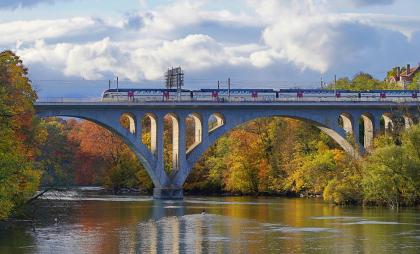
(19, 134)
(103, 158)
(392, 172)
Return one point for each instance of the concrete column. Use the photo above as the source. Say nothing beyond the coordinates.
(356, 130)
(377, 125)
(181, 142)
(368, 127)
(204, 127)
(167, 190)
(160, 167)
(175, 142)
(153, 134)
(139, 118)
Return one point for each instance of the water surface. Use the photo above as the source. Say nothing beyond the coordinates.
(82, 221)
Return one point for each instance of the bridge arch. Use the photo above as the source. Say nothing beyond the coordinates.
(339, 136)
(116, 128)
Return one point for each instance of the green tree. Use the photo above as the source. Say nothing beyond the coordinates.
(415, 85)
(19, 134)
(391, 173)
(57, 154)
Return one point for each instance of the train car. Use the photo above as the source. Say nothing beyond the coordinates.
(125, 94)
(315, 94)
(384, 94)
(235, 94)
(403, 94)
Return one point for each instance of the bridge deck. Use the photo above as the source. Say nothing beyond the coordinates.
(195, 104)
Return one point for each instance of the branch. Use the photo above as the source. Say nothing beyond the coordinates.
(41, 194)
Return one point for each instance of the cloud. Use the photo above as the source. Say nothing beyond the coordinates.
(133, 60)
(32, 30)
(14, 4)
(276, 39)
(371, 2)
(306, 34)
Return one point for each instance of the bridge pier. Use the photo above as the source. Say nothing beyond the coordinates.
(168, 193)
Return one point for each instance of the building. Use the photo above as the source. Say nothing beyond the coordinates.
(404, 77)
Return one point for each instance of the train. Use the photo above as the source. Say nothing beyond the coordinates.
(221, 95)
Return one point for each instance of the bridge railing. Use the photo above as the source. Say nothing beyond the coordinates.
(64, 100)
(225, 100)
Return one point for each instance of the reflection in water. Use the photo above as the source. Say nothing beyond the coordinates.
(109, 224)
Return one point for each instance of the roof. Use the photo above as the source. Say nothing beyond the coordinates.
(413, 71)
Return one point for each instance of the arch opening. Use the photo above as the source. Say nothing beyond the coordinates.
(387, 125)
(336, 141)
(345, 121)
(215, 121)
(171, 142)
(194, 131)
(366, 130)
(108, 142)
(394, 123)
(128, 122)
(149, 132)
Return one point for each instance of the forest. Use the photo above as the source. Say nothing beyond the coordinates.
(269, 156)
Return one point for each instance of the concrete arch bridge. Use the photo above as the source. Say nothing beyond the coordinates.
(337, 119)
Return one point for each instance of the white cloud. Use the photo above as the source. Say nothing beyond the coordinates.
(133, 60)
(371, 2)
(406, 25)
(13, 4)
(32, 30)
(305, 33)
(303, 36)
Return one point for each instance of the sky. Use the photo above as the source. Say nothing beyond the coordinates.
(73, 47)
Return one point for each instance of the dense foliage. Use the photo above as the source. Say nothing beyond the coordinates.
(83, 153)
(19, 135)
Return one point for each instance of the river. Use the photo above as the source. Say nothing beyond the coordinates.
(84, 221)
